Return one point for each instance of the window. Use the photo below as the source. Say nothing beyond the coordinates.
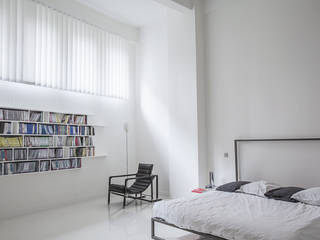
(42, 46)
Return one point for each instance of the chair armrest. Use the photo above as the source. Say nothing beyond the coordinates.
(120, 176)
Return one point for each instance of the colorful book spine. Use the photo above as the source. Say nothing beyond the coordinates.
(5, 128)
(46, 129)
(28, 128)
(6, 155)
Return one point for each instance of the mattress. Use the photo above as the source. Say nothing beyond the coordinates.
(241, 216)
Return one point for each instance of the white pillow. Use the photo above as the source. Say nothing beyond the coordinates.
(309, 196)
(258, 188)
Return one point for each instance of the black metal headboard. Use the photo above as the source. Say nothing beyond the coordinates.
(237, 141)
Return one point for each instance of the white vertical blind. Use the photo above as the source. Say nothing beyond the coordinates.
(67, 53)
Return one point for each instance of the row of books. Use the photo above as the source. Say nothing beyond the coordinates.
(11, 141)
(5, 128)
(38, 141)
(37, 116)
(44, 129)
(20, 167)
(15, 115)
(66, 164)
(73, 141)
(45, 153)
(65, 130)
(35, 141)
(67, 118)
(82, 152)
(36, 166)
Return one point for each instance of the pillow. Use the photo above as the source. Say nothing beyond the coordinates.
(309, 196)
(258, 188)
(283, 193)
(232, 186)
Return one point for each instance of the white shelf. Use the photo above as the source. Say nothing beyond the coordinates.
(45, 118)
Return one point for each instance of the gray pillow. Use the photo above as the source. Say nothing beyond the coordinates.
(232, 186)
(283, 193)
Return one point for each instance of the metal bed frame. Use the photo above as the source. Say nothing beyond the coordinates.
(205, 236)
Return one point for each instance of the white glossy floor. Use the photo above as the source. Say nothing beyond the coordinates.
(92, 220)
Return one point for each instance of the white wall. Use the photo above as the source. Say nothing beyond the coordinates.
(262, 73)
(184, 164)
(167, 101)
(152, 112)
(201, 94)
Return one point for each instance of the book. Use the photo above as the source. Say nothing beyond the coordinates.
(80, 119)
(90, 152)
(5, 128)
(73, 130)
(199, 190)
(28, 128)
(86, 130)
(87, 141)
(46, 129)
(6, 155)
(35, 116)
(78, 152)
(20, 154)
(61, 130)
(11, 141)
(60, 118)
(44, 166)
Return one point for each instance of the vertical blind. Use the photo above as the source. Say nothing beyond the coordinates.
(42, 46)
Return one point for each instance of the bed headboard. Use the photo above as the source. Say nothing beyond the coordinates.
(286, 161)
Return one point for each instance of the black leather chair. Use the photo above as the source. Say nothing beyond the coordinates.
(143, 179)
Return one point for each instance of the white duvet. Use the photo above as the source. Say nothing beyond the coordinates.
(242, 217)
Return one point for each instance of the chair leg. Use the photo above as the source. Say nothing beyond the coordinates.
(109, 197)
(124, 201)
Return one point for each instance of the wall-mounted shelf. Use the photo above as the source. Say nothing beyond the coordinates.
(34, 141)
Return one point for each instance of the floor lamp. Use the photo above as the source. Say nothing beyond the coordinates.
(126, 129)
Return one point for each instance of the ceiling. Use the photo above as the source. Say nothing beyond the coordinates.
(133, 12)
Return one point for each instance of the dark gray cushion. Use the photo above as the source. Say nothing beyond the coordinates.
(231, 187)
(116, 188)
(283, 193)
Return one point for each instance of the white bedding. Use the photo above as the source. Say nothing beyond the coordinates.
(242, 217)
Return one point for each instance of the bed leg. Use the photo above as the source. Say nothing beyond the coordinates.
(152, 228)
(153, 236)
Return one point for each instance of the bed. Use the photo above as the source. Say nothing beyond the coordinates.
(223, 215)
